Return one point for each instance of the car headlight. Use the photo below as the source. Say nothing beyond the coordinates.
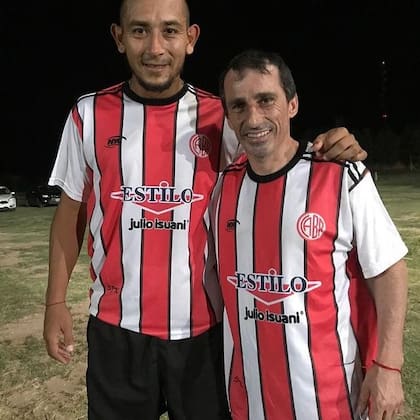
(44, 196)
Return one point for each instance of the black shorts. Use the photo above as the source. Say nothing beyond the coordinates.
(132, 376)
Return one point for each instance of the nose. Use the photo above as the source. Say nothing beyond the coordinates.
(155, 46)
(254, 115)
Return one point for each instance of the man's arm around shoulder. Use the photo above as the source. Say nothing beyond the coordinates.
(338, 144)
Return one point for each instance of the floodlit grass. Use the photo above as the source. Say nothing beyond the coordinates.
(32, 386)
(24, 236)
(401, 195)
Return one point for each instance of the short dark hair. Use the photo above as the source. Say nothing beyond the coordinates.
(259, 60)
(122, 7)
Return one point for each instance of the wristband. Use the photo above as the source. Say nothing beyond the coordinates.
(54, 303)
(385, 366)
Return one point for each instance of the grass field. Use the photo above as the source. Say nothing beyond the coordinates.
(32, 386)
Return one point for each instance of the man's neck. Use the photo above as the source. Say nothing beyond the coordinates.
(272, 164)
(155, 94)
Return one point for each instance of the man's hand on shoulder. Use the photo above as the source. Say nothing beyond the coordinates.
(338, 144)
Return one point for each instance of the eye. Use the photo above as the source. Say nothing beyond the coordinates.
(266, 101)
(237, 107)
(171, 31)
(139, 31)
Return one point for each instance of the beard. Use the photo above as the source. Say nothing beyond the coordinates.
(155, 87)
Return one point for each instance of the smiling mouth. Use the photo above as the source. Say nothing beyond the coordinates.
(257, 134)
(154, 66)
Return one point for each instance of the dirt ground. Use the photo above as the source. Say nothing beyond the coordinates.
(57, 398)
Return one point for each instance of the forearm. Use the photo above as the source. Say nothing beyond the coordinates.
(66, 239)
(389, 291)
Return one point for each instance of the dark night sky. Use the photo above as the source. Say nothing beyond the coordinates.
(53, 52)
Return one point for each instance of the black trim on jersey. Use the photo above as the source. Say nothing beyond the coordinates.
(154, 101)
(271, 177)
(310, 156)
(112, 90)
(200, 93)
(238, 165)
(353, 169)
(354, 174)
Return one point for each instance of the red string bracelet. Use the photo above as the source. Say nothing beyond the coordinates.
(385, 366)
(54, 303)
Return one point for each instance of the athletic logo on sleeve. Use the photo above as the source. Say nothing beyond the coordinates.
(311, 226)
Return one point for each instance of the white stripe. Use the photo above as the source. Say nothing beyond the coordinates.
(345, 332)
(247, 328)
(132, 165)
(300, 365)
(227, 349)
(180, 269)
(97, 218)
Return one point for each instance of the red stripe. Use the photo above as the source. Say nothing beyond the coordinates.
(274, 371)
(363, 311)
(78, 122)
(108, 115)
(210, 124)
(90, 203)
(227, 265)
(321, 306)
(158, 166)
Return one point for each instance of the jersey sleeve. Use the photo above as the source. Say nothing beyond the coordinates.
(379, 244)
(70, 171)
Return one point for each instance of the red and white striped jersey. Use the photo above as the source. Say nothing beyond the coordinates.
(284, 247)
(146, 168)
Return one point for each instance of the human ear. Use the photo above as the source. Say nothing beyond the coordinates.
(116, 32)
(193, 33)
(293, 106)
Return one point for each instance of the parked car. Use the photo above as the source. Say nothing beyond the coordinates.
(7, 199)
(43, 195)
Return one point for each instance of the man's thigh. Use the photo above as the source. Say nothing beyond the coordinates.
(122, 375)
(193, 377)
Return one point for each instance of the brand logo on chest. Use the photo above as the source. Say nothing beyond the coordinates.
(157, 199)
(271, 287)
(115, 141)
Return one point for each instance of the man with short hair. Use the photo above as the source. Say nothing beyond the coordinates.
(290, 232)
